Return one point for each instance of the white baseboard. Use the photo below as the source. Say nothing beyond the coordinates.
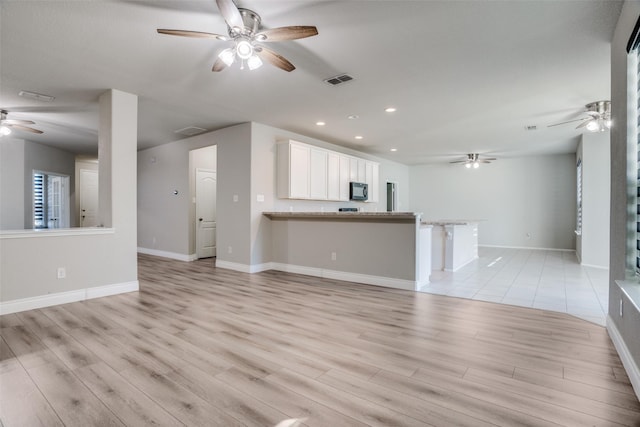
(527, 247)
(165, 254)
(235, 266)
(24, 304)
(627, 360)
(602, 267)
(388, 282)
(460, 266)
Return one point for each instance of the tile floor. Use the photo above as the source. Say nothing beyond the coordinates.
(549, 280)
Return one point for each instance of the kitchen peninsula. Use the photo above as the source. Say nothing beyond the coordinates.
(391, 249)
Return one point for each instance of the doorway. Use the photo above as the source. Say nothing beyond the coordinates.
(88, 198)
(206, 183)
(50, 200)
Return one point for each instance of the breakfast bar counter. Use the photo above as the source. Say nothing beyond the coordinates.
(389, 249)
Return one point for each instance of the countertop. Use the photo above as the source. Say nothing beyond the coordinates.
(450, 222)
(380, 216)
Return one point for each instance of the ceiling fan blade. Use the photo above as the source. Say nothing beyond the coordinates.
(275, 59)
(25, 128)
(219, 65)
(489, 158)
(196, 34)
(570, 121)
(593, 114)
(583, 124)
(286, 33)
(460, 161)
(17, 122)
(231, 14)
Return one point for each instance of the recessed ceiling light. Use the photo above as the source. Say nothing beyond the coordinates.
(393, 150)
(353, 117)
(320, 123)
(359, 137)
(390, 109)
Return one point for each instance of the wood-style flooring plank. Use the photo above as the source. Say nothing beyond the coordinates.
(198, 345)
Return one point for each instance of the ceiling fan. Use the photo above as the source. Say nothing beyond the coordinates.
(7, 125)
(243, 28)
(473, 160)
(598, 120)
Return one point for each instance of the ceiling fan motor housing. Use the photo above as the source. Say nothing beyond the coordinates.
(251, 21)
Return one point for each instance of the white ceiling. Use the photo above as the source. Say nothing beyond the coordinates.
(465, 76)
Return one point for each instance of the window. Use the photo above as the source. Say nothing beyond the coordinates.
(633, 152)
(579, 197)
(50, 200)
(637, 147)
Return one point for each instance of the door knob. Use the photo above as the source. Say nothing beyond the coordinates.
(199, 219)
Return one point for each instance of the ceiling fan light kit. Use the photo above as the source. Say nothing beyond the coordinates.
(473, 160)
(243, 26)
(7, 125)
(598, 120)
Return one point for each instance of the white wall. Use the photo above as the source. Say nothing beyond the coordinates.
(627, 325)
(28, 265)
(592, 247)
(12, 190)
(532, 196)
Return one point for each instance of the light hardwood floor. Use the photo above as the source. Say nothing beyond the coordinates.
(204, 347)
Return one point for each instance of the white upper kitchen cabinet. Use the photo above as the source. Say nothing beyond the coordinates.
(345, 177)
(294, 161)
(318, 174)
(333, 176)
(373, 180)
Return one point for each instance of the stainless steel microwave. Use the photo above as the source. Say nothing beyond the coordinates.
(358, 191)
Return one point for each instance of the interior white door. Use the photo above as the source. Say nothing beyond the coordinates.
(88, 198)
(205, 213)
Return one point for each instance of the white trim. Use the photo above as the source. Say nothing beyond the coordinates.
(15, 306)
(459, 267)
(257, 268)
(243, 268)
(389, 282)
(602, 267)
(527, 247)
(627, 360)
(165, 254)
(58, 232)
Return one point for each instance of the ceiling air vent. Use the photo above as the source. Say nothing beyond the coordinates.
(342, 78)
(190, 131)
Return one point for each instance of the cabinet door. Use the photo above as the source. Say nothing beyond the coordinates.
(374, 181)
(345, 177)
(353, 169)
(362, 170)
(318, 175)
(299, 162)
(333, 176)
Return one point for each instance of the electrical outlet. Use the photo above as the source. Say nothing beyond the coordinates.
(62, 273)
(333, 256)
(230, 250)
(235, 197)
